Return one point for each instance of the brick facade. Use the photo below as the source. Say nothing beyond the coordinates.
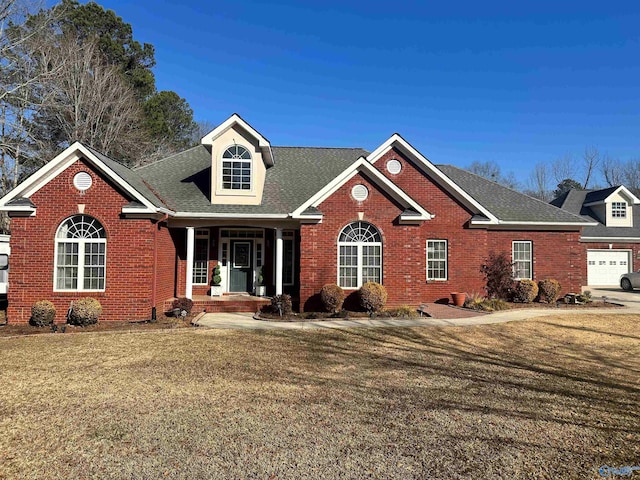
(555, 254)
(129, 251)
(145, 259)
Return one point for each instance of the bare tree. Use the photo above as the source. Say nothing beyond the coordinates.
(88, 102)
(491, 171)
(563, 167)
(539, 182)
(21, 78)
(611, 169)
(590, 160)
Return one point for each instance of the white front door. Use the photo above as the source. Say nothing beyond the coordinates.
(604, 267)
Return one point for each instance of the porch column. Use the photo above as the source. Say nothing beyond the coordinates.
(190, 249)
(279, 256)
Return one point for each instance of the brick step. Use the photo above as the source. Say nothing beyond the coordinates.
(227, 303)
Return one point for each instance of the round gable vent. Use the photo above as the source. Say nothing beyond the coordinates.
(359, 193)
(394, 166)
(82, 181)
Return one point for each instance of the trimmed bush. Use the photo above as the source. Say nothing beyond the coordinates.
(332, 297)
(498, 274)
(183, 303)
(84, 311)
(43, 313)
(217, 279)
(525, 291)
(549, 290)
(373, 296)
(285, 303)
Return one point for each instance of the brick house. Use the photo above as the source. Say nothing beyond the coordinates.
(85, 225)
(612, 242)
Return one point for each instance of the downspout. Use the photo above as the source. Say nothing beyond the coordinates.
(155, 267)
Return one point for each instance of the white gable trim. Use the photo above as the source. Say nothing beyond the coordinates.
(405, 147)
(59, 164)
(624, 191)
(235, 119)
(362, 165)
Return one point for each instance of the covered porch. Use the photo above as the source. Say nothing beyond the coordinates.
(257, 260)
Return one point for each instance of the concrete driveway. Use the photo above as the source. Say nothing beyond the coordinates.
(616, 295)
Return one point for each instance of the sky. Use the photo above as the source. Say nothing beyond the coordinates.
(511, 82)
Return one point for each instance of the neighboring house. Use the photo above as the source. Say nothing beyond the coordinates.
(612, 243)
(84, 225)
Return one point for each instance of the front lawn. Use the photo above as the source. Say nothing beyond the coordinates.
(553, 398)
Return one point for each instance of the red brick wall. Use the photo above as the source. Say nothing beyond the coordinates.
(556, 255)
(129, 251)
(404, 246)
(166, 266)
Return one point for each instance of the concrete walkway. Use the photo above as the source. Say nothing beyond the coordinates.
(246, 321)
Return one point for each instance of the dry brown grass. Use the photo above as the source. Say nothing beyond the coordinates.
(552, 398)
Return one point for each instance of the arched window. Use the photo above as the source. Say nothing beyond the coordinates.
(80, 254)
(359, 255)
(236, 168)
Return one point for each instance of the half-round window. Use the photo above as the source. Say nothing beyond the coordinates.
(236, 168)
(80, 262)
(359, 255)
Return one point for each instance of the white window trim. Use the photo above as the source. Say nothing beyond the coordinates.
(446, 260)
(81, 242)
(513, 260)
(359, 246)
(200, 234)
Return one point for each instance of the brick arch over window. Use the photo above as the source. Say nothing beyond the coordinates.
(80, 255)
(359, 255)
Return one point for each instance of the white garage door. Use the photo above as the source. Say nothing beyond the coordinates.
(604, 267)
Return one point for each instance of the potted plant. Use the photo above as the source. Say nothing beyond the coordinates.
(458, 298)
(216, 288)
(261, 290)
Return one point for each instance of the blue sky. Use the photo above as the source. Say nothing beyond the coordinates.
(510, 82)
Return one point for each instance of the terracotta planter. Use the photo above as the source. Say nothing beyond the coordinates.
(458, 298)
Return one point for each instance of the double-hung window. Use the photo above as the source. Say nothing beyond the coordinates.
(80, 262)
(522, 258)
(436, 259)
(359, 255)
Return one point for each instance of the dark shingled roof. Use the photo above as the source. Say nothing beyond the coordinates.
(184, 179)
(506, 204)
(599, 195)
(573, 201)
(182, 182)
(129, 176)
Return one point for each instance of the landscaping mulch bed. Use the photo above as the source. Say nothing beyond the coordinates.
(563, 305)
(163, 322)
(435, 310)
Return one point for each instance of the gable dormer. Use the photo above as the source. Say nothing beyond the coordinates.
(613, 206)
(240, 156)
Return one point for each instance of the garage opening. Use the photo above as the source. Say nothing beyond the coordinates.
(604, 267)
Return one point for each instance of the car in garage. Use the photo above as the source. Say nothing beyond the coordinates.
(630, 280)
